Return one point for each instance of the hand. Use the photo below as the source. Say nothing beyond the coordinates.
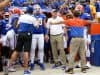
(46, 38)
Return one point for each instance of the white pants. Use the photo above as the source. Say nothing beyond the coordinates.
(9, 39)
(87, 39)
(65, 42)
(4, 40)
(87, 45)
(37, 39)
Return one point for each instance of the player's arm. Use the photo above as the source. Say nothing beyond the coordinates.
(4, 3)
(18, 22)
(17, 25)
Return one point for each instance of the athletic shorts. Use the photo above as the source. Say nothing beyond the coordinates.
(24, 42)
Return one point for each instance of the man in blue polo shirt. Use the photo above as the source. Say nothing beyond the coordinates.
(77, 44)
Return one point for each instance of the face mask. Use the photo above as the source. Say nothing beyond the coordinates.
(6, 19)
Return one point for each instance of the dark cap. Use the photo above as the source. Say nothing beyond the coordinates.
(29, 10)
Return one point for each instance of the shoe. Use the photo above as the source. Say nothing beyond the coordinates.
(11, 69)
(63, 67)
(5, 69)
(69, 71)
(27, 72)
(56, 65)
(32, 66)
(88, 65)
(77, 66)
(42, 66)
(83, 70)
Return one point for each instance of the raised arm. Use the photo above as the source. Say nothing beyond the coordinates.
(3, 4)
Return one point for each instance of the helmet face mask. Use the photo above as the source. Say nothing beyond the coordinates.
(6, 16)
(37, 10)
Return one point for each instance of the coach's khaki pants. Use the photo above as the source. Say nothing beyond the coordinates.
(77, 46)
(57, 44)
